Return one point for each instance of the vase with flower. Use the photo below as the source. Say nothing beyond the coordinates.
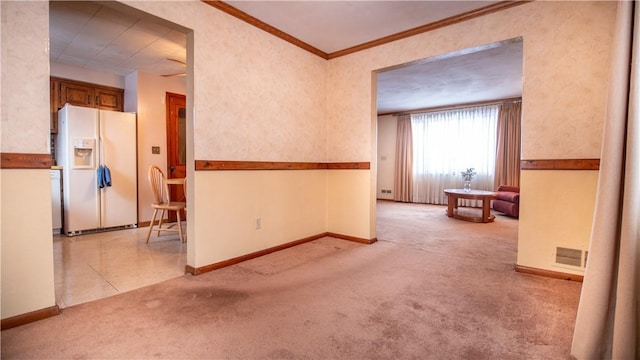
(468, 175)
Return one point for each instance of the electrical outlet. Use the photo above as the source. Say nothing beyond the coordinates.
(155, 149)
(258, 223)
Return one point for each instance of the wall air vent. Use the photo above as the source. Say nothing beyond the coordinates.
(568, 256)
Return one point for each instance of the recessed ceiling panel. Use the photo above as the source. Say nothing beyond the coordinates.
(99, 37)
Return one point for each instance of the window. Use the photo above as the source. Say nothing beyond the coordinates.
(448, 142)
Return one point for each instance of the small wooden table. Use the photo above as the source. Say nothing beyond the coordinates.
(482, 195)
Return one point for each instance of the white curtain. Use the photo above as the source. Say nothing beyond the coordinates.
(608, 321)
(445, 143)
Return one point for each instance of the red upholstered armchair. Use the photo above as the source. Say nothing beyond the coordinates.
(508, 201)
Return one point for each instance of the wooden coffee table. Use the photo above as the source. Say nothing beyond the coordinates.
(482, 195)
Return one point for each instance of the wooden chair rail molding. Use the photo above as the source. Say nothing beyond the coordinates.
(25, 161)
(271, 165)
(560, 164)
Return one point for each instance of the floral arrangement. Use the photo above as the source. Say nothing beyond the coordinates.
(468, 174)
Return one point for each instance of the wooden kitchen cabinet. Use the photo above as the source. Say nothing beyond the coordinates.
(109, 99)
(76, 94)
(82, 94)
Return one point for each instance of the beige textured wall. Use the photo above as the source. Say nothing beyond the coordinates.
(566, 63)
(27, 243)
(349, 194)
(291, 205)
(25, 77)
(257, 97)
(27, 250)
(558, 215)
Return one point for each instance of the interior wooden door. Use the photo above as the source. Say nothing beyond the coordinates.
(176, 144)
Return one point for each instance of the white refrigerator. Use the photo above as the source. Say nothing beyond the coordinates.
(97, 152)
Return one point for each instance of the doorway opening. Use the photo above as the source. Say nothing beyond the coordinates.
(103, 264)
(490, 73)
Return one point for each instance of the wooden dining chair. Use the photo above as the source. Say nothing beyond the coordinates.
(162, 202)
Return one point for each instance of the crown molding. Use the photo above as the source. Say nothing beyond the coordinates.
(429, 27)
(220, 5)
(264, 26)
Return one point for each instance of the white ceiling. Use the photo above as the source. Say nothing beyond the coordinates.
(100, 37)
(491, 72)
(93, 36)
(337, 25)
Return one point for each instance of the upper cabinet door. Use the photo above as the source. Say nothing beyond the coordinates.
(76, 94)
(108, 99)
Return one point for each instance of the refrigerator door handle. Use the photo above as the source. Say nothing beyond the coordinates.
(101, 142)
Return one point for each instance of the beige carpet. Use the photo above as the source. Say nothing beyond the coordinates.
(431, 288)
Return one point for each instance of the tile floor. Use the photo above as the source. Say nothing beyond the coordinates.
(93, 266)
